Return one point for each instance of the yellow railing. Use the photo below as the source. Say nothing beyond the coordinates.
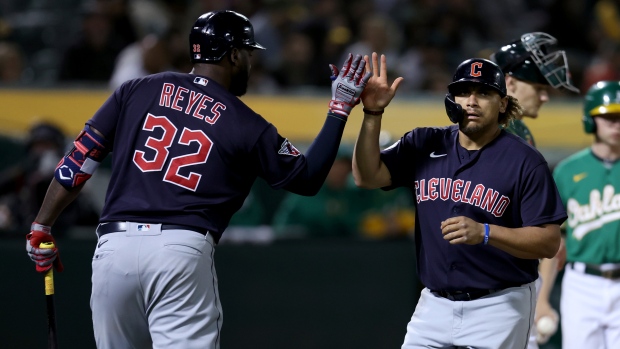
(297, 118)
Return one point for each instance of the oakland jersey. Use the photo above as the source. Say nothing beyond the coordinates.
(590, 189)
(510, 186)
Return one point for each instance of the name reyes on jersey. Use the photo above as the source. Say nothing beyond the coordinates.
(459, 190)
(191, 102)
(602, 208)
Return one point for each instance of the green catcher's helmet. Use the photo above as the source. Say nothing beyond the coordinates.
(534, 59)
(602, 98)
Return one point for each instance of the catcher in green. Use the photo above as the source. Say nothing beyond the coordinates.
(589, 184)
(532, 66)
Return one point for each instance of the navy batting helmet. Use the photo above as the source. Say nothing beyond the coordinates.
(602, 98)
(215, 33)
(478, 71)
(532, 58)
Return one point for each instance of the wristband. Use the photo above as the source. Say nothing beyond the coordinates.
(487, 230)
(371, 112)
(40, 227)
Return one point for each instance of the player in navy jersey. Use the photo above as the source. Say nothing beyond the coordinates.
(185, 153)
(483, 218)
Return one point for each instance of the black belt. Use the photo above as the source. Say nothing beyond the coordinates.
(592, 269)
(464, 295)
(117, 227)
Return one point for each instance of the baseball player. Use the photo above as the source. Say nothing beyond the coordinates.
(589, 184)
(483, 218)
(185, 153)
(532, 66)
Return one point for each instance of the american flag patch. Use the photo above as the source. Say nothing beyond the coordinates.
(144, 227)
(288, 149)
(201, 81)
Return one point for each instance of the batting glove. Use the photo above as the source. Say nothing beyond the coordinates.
(44, 258)
(347, 86)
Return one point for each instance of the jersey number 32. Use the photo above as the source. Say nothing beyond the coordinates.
(161, 145)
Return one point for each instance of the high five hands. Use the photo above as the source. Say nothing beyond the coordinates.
(378, 94)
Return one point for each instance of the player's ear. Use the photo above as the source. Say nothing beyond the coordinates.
(503, 104)
(511, 83)
(234, 55)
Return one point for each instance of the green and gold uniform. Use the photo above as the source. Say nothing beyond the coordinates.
(590, 190)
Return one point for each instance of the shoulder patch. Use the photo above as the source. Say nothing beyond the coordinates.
(287, 148)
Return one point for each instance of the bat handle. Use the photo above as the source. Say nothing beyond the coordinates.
(49, 275)
(52, 340)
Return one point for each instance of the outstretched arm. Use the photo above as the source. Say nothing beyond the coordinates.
(368, 169)
(347, 86)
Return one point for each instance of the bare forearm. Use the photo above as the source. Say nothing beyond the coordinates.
(366, 158)
(527, 242)
(56, 199)
(548, 272)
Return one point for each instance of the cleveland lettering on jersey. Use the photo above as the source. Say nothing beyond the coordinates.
(459, 191)
(172, 95)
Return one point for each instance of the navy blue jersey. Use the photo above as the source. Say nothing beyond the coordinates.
(506, 183)
(187, 151)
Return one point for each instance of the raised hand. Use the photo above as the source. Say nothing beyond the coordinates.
(347, 86)
(378, 94)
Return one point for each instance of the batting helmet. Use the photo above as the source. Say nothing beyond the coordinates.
(478, 71)
(602, 98)
(533, 58)
(215, 33)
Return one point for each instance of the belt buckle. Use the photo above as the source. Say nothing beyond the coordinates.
(607, 274)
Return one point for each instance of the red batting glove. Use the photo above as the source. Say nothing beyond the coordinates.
(44, 258)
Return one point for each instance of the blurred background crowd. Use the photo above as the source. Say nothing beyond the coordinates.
(102, 43)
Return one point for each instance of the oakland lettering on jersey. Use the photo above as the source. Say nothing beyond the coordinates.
(459, 190)
(182, 99)
(602, 208)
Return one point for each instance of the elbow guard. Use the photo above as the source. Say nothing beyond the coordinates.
(89, 149)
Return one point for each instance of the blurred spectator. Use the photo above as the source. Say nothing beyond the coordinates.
(123, 28)
(251, 223)
(148, 56)
(391, 215)
(333, 212)
(23, 186)
(297, 67)
(604, 66)
(11, 63)
(377, 33)
(341, 209)
(91, 58)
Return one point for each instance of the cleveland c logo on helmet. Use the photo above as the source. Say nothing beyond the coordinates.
(474, 70)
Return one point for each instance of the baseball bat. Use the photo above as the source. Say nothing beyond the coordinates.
(52, 339)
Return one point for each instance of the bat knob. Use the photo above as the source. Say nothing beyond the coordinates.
(47, 244)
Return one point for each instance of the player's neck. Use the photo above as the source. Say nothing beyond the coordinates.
(606, 151)
(478, 140)
(213, 72)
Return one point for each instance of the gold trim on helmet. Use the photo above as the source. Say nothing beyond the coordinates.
(605, 109)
